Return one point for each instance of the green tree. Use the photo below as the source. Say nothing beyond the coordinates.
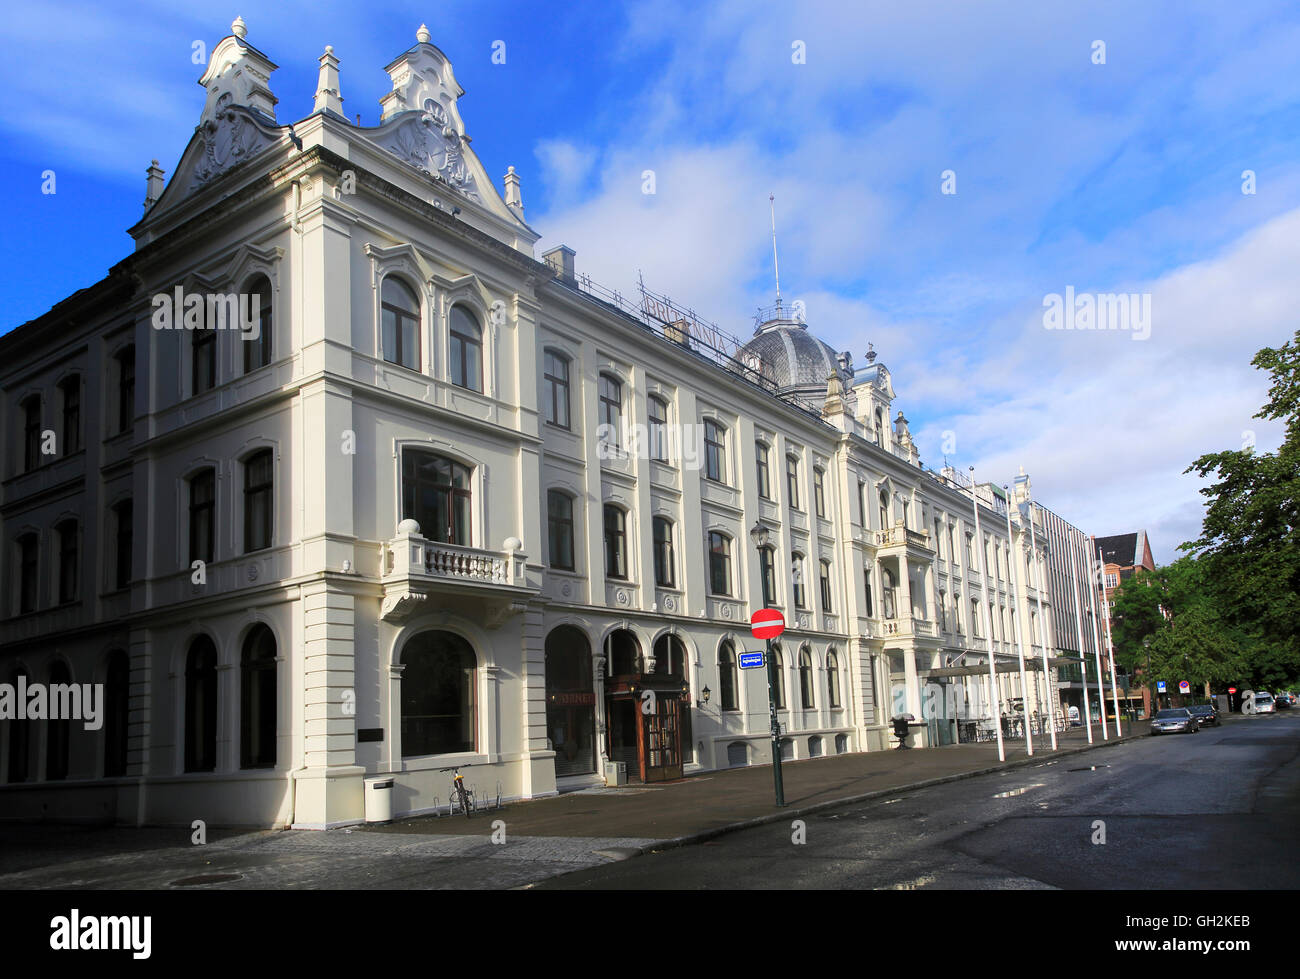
(1249, 548)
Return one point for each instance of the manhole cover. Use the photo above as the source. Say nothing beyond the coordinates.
(202, 879)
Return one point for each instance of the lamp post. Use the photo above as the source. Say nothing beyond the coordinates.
(988, 620)
(758, 534)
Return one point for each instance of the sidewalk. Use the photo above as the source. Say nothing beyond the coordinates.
(712, 803)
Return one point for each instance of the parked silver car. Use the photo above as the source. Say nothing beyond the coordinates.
(1175, 720)
(1264, 704)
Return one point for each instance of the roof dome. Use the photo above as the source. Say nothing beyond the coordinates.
(793, 358)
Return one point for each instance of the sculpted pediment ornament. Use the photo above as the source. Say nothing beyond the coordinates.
(427, 140)
(229, 139)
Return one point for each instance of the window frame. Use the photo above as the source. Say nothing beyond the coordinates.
(824, 579)
(618, 539)
(799, 593)
(715, 451)
(32, 409)
(70, 413)
(208, 507)
(792, 481)
(767, 574)
(609, 394)
(263, 346)
(657, 429)
(554, 385)
(68, 541)
(399, 316)
(719, 559)
(258, 494)
(459, 500)
(665, 565)
(564, 525)
(819, 491)
(460, 341)
(203, 353)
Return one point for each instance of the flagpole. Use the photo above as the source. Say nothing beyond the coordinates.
(1096, 646)
(1042, 623)
(1110, 642)
(1078, 628)
(988, 624)
(1020, 634)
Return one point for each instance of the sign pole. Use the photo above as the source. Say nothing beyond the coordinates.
(776, 727)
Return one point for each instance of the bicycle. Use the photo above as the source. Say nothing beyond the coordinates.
(460, 798)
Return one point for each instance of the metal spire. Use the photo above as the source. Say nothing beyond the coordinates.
(776, 268)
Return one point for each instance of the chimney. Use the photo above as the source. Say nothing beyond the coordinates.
(153, 187)
(560, 259)
(513, 200)
(328, 98)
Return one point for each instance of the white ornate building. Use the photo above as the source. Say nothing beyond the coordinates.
(450, 505)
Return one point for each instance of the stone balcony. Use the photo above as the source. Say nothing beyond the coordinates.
(420, 574)
(915, 542)
(909, 626)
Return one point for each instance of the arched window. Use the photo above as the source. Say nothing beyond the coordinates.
(436, 494)
(19, 732)
(555, 394)
(559, 522)
(70, 391)
(806, 700)
(57, 744)
(31, 408)
(400, 324)
(665, 565)
(833, 678)
(117, 698)
(201, 706)
(203, 510)
(438, 695)
(715, 450)
(815, 746)
(825, 579)
(66, 533)
(610, 391)
(727, 677)
(466, 350)
(658, 414)
(719, 563)
(615, 542)
(887, 599)
(259, 487)
(670, 656)
(570, 701)
(796, 576)
(778, 693)
(257, 351)
(767, 573)
(257, 715)
(623, 654)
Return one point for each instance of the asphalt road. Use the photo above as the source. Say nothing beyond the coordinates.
(1218, 809)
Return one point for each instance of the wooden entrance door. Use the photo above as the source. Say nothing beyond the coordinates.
(659, 741)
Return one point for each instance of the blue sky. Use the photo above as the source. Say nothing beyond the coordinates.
(1115, 177)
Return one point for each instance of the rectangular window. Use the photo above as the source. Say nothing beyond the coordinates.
(67, 561)
(658, 411)
(203, 363)
(819, 492)
(203, 496)
(31, 433)
(826, 586)
(615, 543)
(715, 451)
(436, 494)
(938, 539)
(796, 573)
(611, 409)
(125, 536)
(862, 503)
(257, 353)
(556, 394)
(767, 562)
(792, 481)
(258, 487)
(126, 389)
(764, 471)
(559, 517)
(664, 565)
(1112, 580)
(28, 572)
(719, 563)
(71, 415)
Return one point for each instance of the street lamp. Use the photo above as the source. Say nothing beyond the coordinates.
(758, 534)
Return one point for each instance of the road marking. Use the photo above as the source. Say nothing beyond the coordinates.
(1020, 791)
(912, 885)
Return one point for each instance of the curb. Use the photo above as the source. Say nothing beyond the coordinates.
(777, 817)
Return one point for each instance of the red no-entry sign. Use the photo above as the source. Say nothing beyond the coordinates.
(767, 623)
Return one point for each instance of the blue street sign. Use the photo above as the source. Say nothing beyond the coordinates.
(750, 661)
(1160, 686)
